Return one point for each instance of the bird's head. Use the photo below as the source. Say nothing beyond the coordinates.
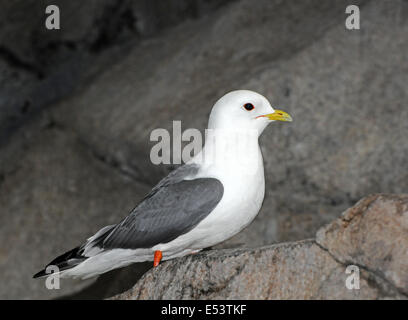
(244, 110)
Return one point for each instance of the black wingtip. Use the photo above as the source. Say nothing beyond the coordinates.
(39, 274)
(65, 261)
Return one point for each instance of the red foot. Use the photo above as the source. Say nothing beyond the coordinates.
(157, 257)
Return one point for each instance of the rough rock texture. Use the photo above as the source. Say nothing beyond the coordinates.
(39, 66)
(372, 235)
(83, 162)
(59, 195)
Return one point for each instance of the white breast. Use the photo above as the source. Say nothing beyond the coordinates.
(242, 175)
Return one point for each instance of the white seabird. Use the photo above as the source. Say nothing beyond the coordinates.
(200, 204)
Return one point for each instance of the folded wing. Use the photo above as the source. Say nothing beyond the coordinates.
(174, 207)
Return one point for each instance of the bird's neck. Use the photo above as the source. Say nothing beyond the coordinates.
(231, 152)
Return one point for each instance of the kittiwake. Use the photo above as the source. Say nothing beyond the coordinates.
(206, 201)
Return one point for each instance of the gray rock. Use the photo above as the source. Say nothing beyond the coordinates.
(39, 66)
(86, 157)
(372, 234)
(54, 194)
(298, 270)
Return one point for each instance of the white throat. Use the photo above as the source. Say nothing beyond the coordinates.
(230, 152)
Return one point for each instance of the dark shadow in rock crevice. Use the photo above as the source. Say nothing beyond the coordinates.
(111, 283)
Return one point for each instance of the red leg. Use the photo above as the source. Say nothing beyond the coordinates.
(157, 257)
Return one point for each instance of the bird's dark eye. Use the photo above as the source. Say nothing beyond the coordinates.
(249, 106)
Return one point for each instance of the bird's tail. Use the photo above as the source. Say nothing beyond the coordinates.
(79, 254)
(65, 261)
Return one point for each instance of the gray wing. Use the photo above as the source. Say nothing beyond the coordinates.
(172, 208)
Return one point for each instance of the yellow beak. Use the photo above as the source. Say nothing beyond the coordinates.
(278, 115)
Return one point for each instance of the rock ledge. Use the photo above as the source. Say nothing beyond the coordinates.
(371, 235)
